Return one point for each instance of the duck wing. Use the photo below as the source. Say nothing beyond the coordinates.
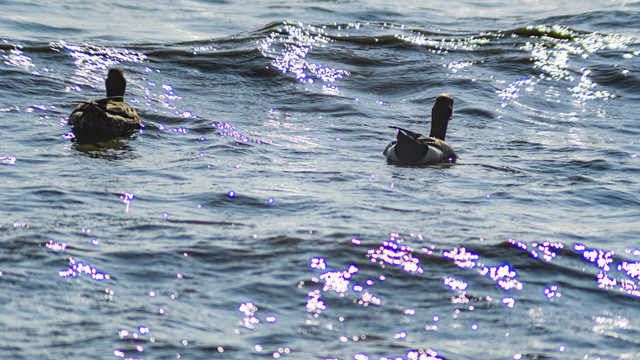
(447, 152)
(123, 111)
(410, 147)
(403, 133)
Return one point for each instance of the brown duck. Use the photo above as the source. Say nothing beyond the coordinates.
(411, 148)
(103, 119)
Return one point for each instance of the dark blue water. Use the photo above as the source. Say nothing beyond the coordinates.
(255, 215)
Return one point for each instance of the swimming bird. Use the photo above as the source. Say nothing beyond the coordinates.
(411, 148)
(103, 119)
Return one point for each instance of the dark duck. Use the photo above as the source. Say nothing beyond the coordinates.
(411, 148)
(104, 119)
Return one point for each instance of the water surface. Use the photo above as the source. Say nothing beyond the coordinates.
(255, 216)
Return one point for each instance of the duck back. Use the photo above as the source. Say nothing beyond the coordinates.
(411, 148)
(103, 119)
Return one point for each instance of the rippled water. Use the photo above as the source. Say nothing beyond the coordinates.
(255, 216)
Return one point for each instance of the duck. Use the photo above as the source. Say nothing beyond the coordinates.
(411, 148)
(104, 119)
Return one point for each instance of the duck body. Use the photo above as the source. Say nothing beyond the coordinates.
(103, 119)
(411, 148)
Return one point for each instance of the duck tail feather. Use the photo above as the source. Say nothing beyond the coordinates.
(397, 128)
(402, 132)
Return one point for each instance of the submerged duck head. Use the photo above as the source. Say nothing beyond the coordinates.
(441, 113)
(115, 84)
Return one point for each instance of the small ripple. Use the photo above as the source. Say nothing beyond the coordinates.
(437, 43)
(563, 55)
(16, 57)
(7, 160)
(289, 47)
(228, 130)
(90, 58)
(78, 268)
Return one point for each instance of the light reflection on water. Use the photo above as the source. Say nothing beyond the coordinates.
(228, 130)
(289, 47)
(397, 253)
(16, 57)
(56, 246)
(7, 160)
(559, 52)
(78, 268)
(603, 260)
(92, 61)
(139, 338)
